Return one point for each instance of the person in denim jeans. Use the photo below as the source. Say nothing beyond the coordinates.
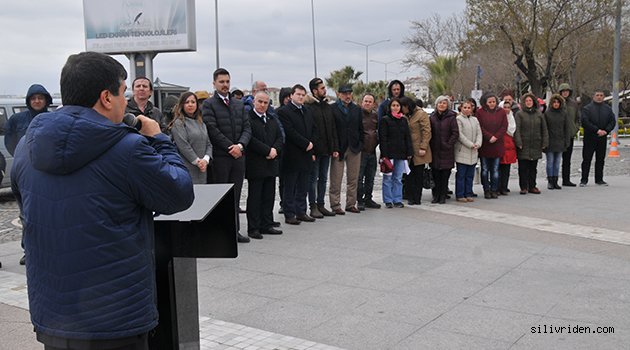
(367, 171)
(559, 129)
(327, 146)
(395, 141)
(493, 122)
(466, 152)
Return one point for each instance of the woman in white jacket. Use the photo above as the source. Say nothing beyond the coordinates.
(466, 152)
(509, 157)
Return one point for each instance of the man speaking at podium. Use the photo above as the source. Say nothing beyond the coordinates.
(88, 186)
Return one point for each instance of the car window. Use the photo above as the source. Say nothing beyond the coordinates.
(3, 119)
(18, 109)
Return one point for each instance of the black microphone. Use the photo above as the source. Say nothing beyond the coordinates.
(132, 121)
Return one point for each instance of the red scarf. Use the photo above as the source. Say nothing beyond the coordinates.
(397, 116)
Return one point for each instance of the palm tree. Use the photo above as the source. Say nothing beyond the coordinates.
(344, 76)
(443, 70)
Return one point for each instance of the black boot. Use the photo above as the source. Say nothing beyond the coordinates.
(550, 183)
(555, 183)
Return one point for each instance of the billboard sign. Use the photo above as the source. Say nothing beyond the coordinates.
(123, 26)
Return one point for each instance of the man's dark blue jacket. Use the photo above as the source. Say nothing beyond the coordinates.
(87, 189)
(16, 126)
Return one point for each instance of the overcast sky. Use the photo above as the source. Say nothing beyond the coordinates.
(271, 40)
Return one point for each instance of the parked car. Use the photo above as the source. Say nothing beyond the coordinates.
(9, 107)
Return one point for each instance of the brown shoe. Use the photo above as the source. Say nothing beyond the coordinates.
(292, 221)
(470, 199)
(463, 200)
(523, 191)
(353, 210)
(534, 190)
(305, 217)
(339, 211)
(325, 211)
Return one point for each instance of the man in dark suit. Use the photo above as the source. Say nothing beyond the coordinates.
(230, 132)
(598, 121)
(349, 120)
(262, 168)
(298, 157)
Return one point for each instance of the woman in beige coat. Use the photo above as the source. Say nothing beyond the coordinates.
(420, 129)
(466, 152)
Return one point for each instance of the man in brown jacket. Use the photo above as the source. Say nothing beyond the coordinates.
(367, 170)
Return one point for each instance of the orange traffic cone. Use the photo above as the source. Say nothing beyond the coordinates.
(613, 152)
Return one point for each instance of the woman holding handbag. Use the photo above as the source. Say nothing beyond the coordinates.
(395, 144)
(444, 135)
(420, 130)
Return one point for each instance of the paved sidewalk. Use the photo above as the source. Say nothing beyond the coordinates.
(482, 275)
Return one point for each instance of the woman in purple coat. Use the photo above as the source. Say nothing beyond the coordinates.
(444, 135)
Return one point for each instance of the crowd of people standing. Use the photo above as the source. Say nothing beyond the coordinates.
(310, 143)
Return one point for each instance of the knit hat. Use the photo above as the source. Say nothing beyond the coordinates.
(564, 86)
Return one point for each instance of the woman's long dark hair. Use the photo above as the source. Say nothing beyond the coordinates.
(178, 110)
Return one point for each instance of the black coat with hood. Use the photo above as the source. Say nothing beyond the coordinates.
(383, 108)
(559, 126)
(16, 126)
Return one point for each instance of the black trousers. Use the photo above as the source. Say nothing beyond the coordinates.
(367, 171)
(597, 145)
(566, 163)
(504, 176)
(261, 194)
(295, 191)
(227, 170)
(138, 342)
(527, 170)
(415, 180)
(440, 176)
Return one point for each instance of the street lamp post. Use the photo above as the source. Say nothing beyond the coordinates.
(216, 28)
(385, 63)
(367, 46)
(314, 50)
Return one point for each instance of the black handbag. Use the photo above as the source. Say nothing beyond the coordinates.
(427, 178)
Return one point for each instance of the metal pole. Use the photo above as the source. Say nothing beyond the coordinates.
(314, 48)
(366, 53)
(385, 63)
(216, 28)
(616, 64)
(367, 74)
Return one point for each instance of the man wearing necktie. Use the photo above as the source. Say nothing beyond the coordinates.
(297, 160)
(262, 166)
(230, 132)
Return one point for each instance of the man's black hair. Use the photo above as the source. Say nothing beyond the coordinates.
(314, 83)
(297, 87)
(142, 78)
(220, 71)
(86, 75)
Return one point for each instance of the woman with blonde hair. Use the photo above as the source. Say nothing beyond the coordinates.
(466, 152)
(191, 137)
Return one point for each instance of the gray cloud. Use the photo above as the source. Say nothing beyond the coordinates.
(271, 40)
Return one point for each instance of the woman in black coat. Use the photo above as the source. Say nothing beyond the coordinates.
(395, 144)
(444, 135)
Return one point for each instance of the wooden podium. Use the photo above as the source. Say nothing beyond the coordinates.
(205, 230)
